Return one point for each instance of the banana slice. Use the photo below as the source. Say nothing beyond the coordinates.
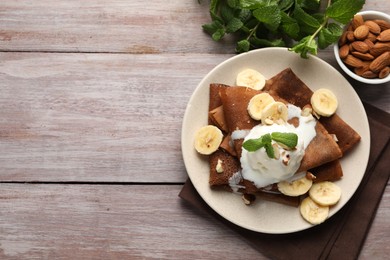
(258, 103)
(250, 78)
(325, 193)
(275, 112)
(295, 188)
(324, 102)
(312, 212)
(207, 139)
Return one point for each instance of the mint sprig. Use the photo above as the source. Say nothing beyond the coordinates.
(288, 139)
(301, 25)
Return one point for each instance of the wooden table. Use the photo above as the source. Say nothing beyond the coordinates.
(92, 99)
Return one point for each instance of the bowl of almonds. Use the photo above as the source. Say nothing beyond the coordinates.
(363, 50)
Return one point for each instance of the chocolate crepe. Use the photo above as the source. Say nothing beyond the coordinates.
(341, 236)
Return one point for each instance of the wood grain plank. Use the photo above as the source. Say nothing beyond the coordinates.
(127, 221)
(101, 117)
(109, 222)
(114, 26)
(106, 26)
(95, 117)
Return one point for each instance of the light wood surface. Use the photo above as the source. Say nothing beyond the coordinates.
(92, 95)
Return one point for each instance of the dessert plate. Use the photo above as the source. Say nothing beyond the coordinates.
(264, 216)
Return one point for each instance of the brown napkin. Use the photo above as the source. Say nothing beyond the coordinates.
(341, 236)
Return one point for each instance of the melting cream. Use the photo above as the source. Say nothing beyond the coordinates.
(234, 182)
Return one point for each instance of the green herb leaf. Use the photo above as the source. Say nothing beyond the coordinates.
(269, 149)
(269, 15)
(288, 139)
(300, 24)
(234, 25)
(253, 145)
(243, 46)
(329, 35)
(308, 23)
(305, 46)
(343, 10)
(289, 26)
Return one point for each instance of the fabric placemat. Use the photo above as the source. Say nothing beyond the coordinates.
(342, 235)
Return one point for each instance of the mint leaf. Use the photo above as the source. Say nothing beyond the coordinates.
(329, 35)
(253, 145)
(308, 23)
(311, 5)
(285, 4)
(212, 27)
(343, 10)
(218, 34)
(269, 15)
(233, 3)
(269, 149)
(289, 26)
(233, 25)
(288, 139)
(243, 46)
(305, 46)
(227, 13)
(267, 43)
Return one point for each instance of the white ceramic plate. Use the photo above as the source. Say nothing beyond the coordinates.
(264, 216)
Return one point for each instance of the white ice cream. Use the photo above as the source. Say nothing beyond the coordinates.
(262, 170)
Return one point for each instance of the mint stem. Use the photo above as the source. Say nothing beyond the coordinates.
(324, 23)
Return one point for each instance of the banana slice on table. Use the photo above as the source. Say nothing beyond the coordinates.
(207, 139)
(312, 212)
(295, 188)
(325, 193)
(250, 78)
(275, 112)
(258, 103)
(324, 102)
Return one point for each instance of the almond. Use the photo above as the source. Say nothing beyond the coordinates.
(379, 48)
(360, 46)
(359, 71)
(354, 62)
(361, 32)
(357, 21)
(384, 25)
(362, 56)
(369, 74)
(373, 27)
(343, 38)
(344, 51)
(371, 37)
(369, 43)
(380, 62)
(350, 36)
(384, 72)
(384, 36)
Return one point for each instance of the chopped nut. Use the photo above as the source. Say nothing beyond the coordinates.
(219, 167)
(248, 198)
(307, 110)
(268, 121)
(310, 176)
(276, 151)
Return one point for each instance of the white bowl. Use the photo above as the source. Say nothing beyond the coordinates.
(367, 15)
